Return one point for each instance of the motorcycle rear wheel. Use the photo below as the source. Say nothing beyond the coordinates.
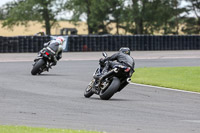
(37, 66)
(108, 92)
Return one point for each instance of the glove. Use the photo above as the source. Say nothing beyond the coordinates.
(58, 57)
(101, 61)
(54, 63)
(46, 44)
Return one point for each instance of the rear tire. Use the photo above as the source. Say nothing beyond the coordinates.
(88, 91)
(37, 66)
(111, 90)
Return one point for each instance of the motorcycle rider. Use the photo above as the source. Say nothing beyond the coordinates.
(55, 47)
(120, 58)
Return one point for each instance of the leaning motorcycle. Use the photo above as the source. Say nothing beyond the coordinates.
(43, 62)
(110, 83)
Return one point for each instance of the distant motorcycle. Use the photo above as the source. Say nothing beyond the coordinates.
(110, 83)
(43, 62)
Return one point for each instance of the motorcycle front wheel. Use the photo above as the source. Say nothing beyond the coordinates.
(88, 91)
(109, 91)
(37, 66)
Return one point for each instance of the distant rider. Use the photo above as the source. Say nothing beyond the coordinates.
(121, 58)
(55, 47)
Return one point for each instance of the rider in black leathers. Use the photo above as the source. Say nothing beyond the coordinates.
(121, 58)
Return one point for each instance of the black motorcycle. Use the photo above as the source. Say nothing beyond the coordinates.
(43, 62)
(110, 83)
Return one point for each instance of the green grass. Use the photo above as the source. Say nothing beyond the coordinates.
(24, 129)
(183, 78)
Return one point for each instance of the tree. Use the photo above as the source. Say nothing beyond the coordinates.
(108, 12)
(150, 16)
(117, 13)
(80, 8)
(193, 23)
(23, 11)
(99, 13)
(139, 16)
(171, 17)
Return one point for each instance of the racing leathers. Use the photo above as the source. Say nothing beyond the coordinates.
(119, 58)
(56, 49)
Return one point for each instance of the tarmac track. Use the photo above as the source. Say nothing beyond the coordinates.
(56, 100)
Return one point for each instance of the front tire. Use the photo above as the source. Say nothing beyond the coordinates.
(37, 66)
(110, 91)
(88, 91)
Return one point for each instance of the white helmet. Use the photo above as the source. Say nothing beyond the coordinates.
(60, 40)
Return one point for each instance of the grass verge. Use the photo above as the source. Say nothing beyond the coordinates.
(183, 78)
(24, 129)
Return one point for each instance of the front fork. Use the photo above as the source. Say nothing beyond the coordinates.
(97, 86)
(93, 85)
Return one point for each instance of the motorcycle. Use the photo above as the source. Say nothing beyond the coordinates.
(110, 83)
(43, 62)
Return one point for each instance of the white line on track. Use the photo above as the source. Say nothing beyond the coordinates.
(15, 60)
(163, 88)
(27, 60)
(193, 121)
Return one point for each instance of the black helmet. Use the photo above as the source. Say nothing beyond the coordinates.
(125, 50)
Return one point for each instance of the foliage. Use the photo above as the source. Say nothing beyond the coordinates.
(136, 17)
(150, 16)
(98, 13)
(22, 11)
(193, 23)
(133, 16)
(24, 129)
(192, 26)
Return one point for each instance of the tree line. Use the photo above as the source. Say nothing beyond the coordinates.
(165, 17)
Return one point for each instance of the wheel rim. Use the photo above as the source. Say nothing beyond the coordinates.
(104, 87)
(89, 87)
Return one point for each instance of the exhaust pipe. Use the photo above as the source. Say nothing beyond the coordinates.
(128, 80)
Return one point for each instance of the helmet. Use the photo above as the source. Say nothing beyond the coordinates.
(125, 50)
(60, 40)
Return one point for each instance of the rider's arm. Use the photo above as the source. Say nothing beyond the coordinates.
(46, 44)
(59, 55)
(112, 58)
(133, 67)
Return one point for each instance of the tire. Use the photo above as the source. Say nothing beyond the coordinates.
(110, 91)
(88, 91)
(37, 66)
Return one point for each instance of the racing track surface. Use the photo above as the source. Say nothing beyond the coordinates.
(56, 100)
